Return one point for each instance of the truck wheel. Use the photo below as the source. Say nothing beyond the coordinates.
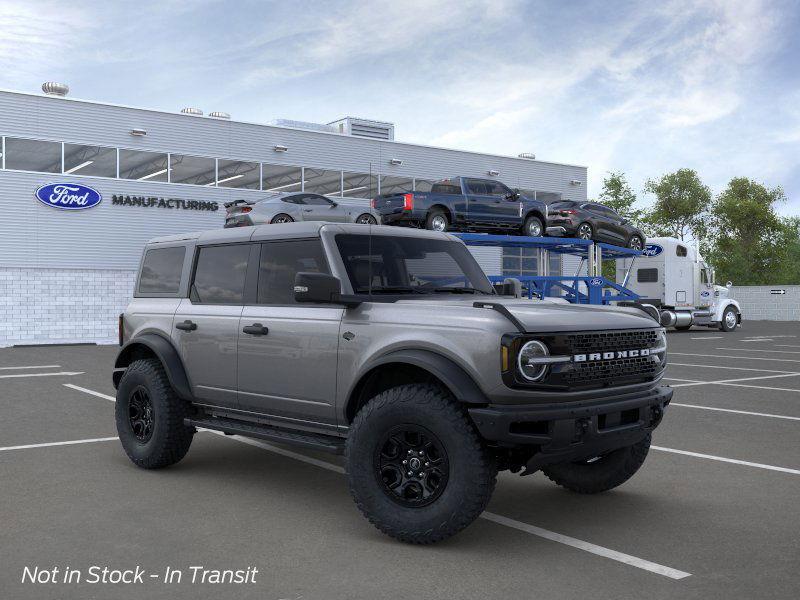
(415, 465)
(150, 415)
(602, 473)
(437, 220)
(729, 320)
(533, 227)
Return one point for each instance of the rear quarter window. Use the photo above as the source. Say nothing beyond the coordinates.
(161, 271)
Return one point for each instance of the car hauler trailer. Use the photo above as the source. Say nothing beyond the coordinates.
(672, 276)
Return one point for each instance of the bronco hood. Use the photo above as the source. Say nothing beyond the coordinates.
(547, 317)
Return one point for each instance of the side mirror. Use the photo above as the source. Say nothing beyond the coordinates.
(729, 285)
(319, 288)
(334, 204)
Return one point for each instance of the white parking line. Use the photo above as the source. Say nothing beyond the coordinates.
(92, 392)
(16, 375)
(588, 547)
(738, 412)
(787, 346)
(519, 525)
(758, 340)
(759, 350)
(732, 381)
(739, 357)
(727, 460)
(761, 387)
(708, 337)
(67, 443)
(672, 364)
(31, 367)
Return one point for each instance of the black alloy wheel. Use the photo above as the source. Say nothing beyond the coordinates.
(584, 231)
(140, 414)
(282, 218)
(411, 465)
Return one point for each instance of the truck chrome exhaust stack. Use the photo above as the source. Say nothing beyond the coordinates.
(668, 318)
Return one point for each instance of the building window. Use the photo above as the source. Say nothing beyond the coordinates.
(96, 161)
(360, 185)
(396, 185)
(238, 174)
(322, 181)
(143, 166)
(194, 170)
(280, 178)
(33, 155)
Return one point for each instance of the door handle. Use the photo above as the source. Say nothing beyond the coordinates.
(187, 325)
(308, 209)
(255, 329)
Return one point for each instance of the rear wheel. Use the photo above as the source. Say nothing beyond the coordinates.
(282, 218)
(415, 465)
(150, 415)
(533, 227)
(635, 243)
(584, 231)
(437, 220)
(367, 219)
(729, 320)
(600, 473)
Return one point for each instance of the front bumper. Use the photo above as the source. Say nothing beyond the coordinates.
(560, 433)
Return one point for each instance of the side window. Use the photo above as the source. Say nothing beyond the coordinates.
(315, 200)
(681, 250)
(161, 271)
(495, 188)
(280, 262)
(647, 275)
(294, 199)
(476, 186)
(446, 187)
(219, 274)
(704, 276)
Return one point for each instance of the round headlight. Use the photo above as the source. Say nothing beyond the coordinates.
(527, 363)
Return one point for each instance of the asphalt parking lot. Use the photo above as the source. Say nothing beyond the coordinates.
(714, 512)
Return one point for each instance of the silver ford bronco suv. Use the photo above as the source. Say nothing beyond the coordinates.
(389, 346)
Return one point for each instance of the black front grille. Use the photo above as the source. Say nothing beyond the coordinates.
(608, 341)
(613, 370)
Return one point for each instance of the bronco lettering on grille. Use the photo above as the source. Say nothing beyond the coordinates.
(610, 355)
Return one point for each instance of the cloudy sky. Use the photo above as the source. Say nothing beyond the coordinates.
(641, 87)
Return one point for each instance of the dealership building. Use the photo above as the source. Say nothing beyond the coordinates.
(65, 275)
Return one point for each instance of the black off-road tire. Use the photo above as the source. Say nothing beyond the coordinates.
(170, 438)
(605, 473)
(471, 473)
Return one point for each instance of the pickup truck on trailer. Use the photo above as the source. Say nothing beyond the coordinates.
(349, 339)
(465, 204)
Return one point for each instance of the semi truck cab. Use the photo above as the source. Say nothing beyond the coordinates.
(672, 276)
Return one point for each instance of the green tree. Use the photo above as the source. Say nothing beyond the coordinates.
(681, 205)
(618, 195)
(749, 243)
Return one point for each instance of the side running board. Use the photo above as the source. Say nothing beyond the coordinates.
(324, 443)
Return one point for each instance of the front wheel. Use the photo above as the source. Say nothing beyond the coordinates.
(729, 320)
(150, 415)
(533, 227)
(600, 473)
(367, 219)
(416, 466)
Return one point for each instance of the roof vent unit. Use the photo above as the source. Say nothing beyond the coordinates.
(219, 115)
(303, 125)
(192, 111)
(527, 155)
(51, 88)
(376, 130)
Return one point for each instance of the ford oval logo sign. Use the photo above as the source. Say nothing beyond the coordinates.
(705, 293)
(652, 250)
(68, 196)
(596, 281)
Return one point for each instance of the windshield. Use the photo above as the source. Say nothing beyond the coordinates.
(383, 264)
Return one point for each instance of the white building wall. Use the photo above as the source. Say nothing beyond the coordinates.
(759, 303)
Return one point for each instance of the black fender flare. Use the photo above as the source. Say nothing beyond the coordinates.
(456, 379)
(165, 352)
(535, 212)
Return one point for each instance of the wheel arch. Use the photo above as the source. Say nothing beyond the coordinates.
(729, 303)
(153, 345)
(535, 212)
(411, 366)
(444, 208)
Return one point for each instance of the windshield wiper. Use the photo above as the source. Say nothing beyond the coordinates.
(390, 289)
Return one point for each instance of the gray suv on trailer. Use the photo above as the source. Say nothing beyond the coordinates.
(389, 346)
